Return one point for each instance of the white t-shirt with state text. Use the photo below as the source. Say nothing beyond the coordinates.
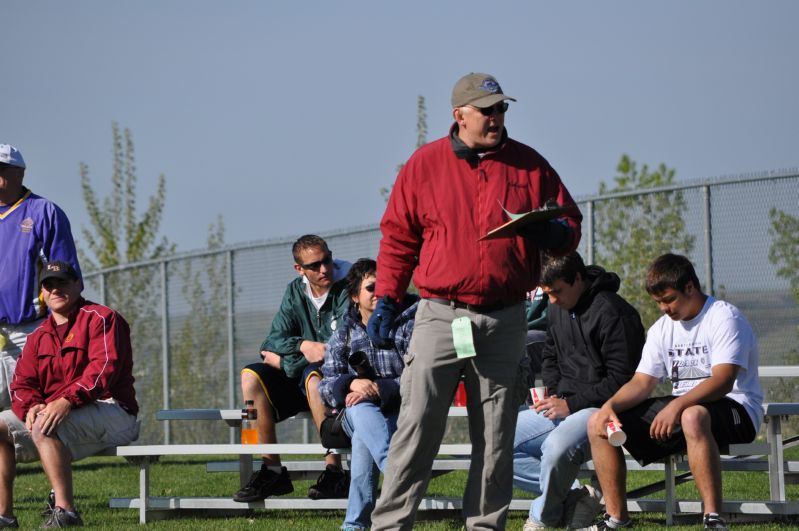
(685, 352)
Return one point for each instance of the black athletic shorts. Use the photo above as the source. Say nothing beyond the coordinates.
(288, 396)
(729, 422)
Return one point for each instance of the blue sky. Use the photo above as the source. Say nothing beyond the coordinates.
(288, 117)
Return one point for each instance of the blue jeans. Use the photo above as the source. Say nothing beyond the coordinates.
(370, 431)
(547, 455)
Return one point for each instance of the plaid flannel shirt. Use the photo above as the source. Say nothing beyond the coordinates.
(387, 363)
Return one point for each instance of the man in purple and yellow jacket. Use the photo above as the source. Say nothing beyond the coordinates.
(33, 231)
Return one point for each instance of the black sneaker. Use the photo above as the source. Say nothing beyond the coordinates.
(60, 518)
(263, 484)
(49, 504)
(714, 521)
(8, 521)
(333, 482)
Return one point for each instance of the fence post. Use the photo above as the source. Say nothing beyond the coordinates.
(590, 217)
(102, 290)
(708, 240)
(230, 340)
(165, 346)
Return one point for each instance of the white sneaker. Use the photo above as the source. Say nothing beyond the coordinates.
(532, 525)
(714, 521)
(582, 507)
(605, 525)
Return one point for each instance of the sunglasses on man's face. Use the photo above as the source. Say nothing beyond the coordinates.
(49, 284)
(499, 108)
(370, 287)
(316, 266)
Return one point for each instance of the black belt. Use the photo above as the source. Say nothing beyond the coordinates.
(476, 308)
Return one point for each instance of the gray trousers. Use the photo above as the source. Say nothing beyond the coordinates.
(428, 386)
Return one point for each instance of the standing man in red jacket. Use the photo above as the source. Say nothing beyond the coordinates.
(471, 318)
(72, 393)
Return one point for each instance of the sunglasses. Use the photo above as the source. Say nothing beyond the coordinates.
(370, 287)
(316, 266)
(49, 284)
(498, 108)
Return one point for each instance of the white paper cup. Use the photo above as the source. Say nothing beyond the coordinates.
(616, 436)
(538, 394)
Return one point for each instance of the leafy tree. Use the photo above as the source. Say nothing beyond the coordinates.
(199, 345)
(784, 253)
(784, 250)
(421, 122)
(632, 231)
(115, 221)
(421, 138)
(119, 235)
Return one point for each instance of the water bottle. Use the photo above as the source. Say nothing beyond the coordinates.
(460, 395)
(249, 416)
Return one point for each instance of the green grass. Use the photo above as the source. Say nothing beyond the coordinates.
(98, 479)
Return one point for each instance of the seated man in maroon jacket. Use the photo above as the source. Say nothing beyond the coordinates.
(72, 393)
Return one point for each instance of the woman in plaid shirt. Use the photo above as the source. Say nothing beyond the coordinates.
(366, 380)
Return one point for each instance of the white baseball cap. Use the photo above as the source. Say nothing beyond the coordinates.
(11, 156)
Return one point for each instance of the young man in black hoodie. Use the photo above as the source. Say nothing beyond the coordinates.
(594, 341)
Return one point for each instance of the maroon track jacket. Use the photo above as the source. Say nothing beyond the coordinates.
(441, 204)
(93, 362)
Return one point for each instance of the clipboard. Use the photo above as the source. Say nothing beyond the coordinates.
(517, 221)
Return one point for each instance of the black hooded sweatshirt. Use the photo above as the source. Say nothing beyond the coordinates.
(594, 348)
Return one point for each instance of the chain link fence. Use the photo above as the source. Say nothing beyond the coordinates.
(198, 318)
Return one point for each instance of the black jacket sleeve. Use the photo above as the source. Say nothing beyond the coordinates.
(620, 338)
(550, 373)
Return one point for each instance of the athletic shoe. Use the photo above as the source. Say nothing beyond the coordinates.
(582, 506)
(333, 482)
(8, 521)
(714, 521)
(263, 484)
(533, 525)
(49, 504)
(60, 518)
(605, 523)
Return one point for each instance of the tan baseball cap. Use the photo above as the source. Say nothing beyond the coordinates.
(480, 90)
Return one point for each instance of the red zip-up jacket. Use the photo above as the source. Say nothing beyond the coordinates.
(93, 362)
(441, 204)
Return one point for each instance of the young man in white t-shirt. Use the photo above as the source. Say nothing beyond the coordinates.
(708, 351)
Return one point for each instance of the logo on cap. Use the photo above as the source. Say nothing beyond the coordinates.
(489, 85)
(55, 267)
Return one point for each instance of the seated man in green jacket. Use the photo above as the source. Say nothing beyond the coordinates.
(286, 381)
(535, 309)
